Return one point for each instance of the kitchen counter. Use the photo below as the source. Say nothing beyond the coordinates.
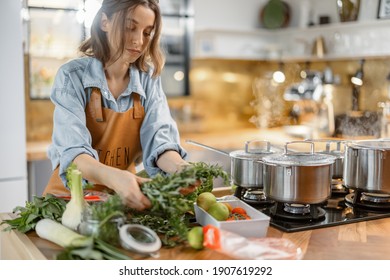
(359, 241)
(37, 150)
(369, 240)
(225, 139)
(233, 139)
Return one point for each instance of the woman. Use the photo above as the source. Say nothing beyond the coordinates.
(110, 108)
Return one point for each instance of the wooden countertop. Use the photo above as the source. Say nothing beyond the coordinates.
(37, 150)
(235, 139)
(232, 139)
(368, 240)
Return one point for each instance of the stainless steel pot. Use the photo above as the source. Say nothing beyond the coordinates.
(298, 177)
(246, 165)
(367, 165)
(337, 151)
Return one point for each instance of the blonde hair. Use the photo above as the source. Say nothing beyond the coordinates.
(97, 45)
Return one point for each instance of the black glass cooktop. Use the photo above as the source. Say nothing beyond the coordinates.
(337, 212)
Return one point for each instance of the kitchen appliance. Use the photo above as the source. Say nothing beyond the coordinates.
(335, 148)
(246, 169)
(337, 210)
(176, 37)
(367, 165)
(289, 214)
(13, 166)
(358, 122)
(312, 99)
(298, 177)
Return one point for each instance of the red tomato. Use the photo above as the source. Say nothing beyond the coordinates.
(238, 210)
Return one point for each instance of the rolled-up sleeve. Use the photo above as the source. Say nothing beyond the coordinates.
(159, 131)
(70, 135)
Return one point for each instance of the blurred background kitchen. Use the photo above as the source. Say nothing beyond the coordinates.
(235, 70)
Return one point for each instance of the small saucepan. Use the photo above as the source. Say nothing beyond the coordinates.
(246, 165)
(298, 177)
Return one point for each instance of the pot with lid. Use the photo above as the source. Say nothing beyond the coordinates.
(367, 165)
(298, 177)
(337, 151)
(246, 165)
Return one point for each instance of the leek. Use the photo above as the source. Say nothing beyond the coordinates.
(61, 235)
(75, 207)
(77, 246)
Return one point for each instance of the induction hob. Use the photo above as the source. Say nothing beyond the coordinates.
(337, 212)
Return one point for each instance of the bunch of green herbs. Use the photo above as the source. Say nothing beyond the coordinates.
(107, 216)
(48, 206)
(172, 209)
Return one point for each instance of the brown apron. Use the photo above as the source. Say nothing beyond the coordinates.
(115, 137)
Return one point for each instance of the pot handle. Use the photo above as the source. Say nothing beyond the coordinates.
(328, 143)
(208, 147)
(302, 142)
(257, 151)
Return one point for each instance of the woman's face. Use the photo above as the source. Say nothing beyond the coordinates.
(138, 32)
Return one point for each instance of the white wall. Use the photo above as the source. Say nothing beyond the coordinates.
(227, 14)
(13, 166)
(244, 14)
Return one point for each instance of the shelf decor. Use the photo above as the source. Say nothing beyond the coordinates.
(348, 10)
(384, 9)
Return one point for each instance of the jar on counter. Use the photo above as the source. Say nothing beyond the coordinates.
(107, 229)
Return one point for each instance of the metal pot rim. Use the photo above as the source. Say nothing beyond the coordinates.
(378, 144)
(242, 154)
(300, 159)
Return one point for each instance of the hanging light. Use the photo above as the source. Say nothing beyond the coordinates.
(278, 76)
(357, 79)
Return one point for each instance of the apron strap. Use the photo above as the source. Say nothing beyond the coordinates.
(97, 102)
(137, 112)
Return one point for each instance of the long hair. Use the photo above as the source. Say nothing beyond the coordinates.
(97, 45)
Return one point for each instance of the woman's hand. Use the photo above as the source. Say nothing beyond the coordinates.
(127, 186)
(171, 162)
(123, 182)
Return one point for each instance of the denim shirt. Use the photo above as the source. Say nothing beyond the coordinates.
(70, 95)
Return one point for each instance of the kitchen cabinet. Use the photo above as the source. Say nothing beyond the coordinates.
(53, 31)
(38, 167)
(367, 37)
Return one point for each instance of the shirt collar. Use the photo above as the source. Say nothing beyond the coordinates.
(94, 77)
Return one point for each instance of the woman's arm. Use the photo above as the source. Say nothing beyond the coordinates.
(171, 162)
(123, 182)
(159, 133)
